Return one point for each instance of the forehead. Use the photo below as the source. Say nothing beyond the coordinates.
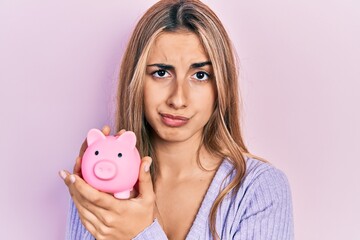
(171, 46)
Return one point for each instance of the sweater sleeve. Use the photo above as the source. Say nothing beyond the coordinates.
(268, 213)
(152, 232)
(75, 230)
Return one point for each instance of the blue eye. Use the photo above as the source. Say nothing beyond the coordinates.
(201, 76)
(161, 73)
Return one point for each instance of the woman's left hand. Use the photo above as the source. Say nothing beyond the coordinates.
(106, 217)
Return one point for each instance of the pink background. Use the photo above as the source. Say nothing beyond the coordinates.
(300, 83)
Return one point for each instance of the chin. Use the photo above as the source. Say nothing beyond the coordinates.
(175, 134)
(171, 136)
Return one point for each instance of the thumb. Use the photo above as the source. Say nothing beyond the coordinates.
(145, 183)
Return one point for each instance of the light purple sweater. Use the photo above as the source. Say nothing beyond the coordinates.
(260, 210)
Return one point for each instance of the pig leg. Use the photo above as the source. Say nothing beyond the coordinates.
(123, 195)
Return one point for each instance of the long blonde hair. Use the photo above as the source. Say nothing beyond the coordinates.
(222, 134)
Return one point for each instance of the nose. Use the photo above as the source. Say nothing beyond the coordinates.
(105, 170)
(178, 95)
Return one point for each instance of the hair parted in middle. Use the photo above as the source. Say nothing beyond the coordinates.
(222, 134)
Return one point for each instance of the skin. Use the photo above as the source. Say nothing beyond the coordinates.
(104, 216)
(174, 84)
(182, 91)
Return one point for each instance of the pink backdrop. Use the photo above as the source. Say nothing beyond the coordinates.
(300, 82)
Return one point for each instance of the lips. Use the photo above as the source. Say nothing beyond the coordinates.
(173, 121)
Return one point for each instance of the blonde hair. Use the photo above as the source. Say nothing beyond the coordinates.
(222, 134)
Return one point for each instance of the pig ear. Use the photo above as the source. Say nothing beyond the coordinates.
(129, 138)
(94, 135)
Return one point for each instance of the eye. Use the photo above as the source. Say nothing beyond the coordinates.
(96, 153)
(161, 73)
(201, 76)
(119, 155)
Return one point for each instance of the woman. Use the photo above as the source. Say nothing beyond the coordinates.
(178, 91)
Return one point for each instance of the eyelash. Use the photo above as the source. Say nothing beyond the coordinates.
(157, 71)
(204, 80)
(166, 72)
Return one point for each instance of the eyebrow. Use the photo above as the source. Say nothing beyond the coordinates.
(170, 67)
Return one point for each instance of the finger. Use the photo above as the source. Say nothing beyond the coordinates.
(88, 193)
(77, 186)
(120, 132)
(106, 130)
(80, 205)
(83, 148)
(87, 217)
(96, 211)
(145, 183)
(88, 225)
(64, 174)
(77, 167)
(84, 214)
(133, 193)
(83, 203)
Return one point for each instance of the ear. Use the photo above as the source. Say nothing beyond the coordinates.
(94, 135)
(128, 138)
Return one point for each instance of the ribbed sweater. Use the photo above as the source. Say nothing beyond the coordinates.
(260, 210)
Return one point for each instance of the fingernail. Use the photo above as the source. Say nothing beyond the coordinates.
(62, 174)
(121, 132)
(72, 178)
(147, 167)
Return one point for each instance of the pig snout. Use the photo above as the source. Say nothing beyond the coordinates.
(105, 170)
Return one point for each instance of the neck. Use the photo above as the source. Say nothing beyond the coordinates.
(177, 160)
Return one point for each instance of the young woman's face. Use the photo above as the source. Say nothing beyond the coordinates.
(179, 90)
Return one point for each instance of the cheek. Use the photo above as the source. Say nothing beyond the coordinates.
(206, 99)
(152, 98)
(147, 93)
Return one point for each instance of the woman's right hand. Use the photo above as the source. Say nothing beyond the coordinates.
(104, 216)
(107, 217)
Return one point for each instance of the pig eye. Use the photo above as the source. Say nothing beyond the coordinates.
(96, 152)
(120, 155)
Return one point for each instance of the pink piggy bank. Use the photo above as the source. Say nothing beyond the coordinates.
(111, 163)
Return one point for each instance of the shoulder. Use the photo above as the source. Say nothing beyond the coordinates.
(262, 203)
(259, 175)
(263, 186)
(265, 176)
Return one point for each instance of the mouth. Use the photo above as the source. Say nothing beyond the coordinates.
(173, 121)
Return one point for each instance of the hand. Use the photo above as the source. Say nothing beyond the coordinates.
(106, 217)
